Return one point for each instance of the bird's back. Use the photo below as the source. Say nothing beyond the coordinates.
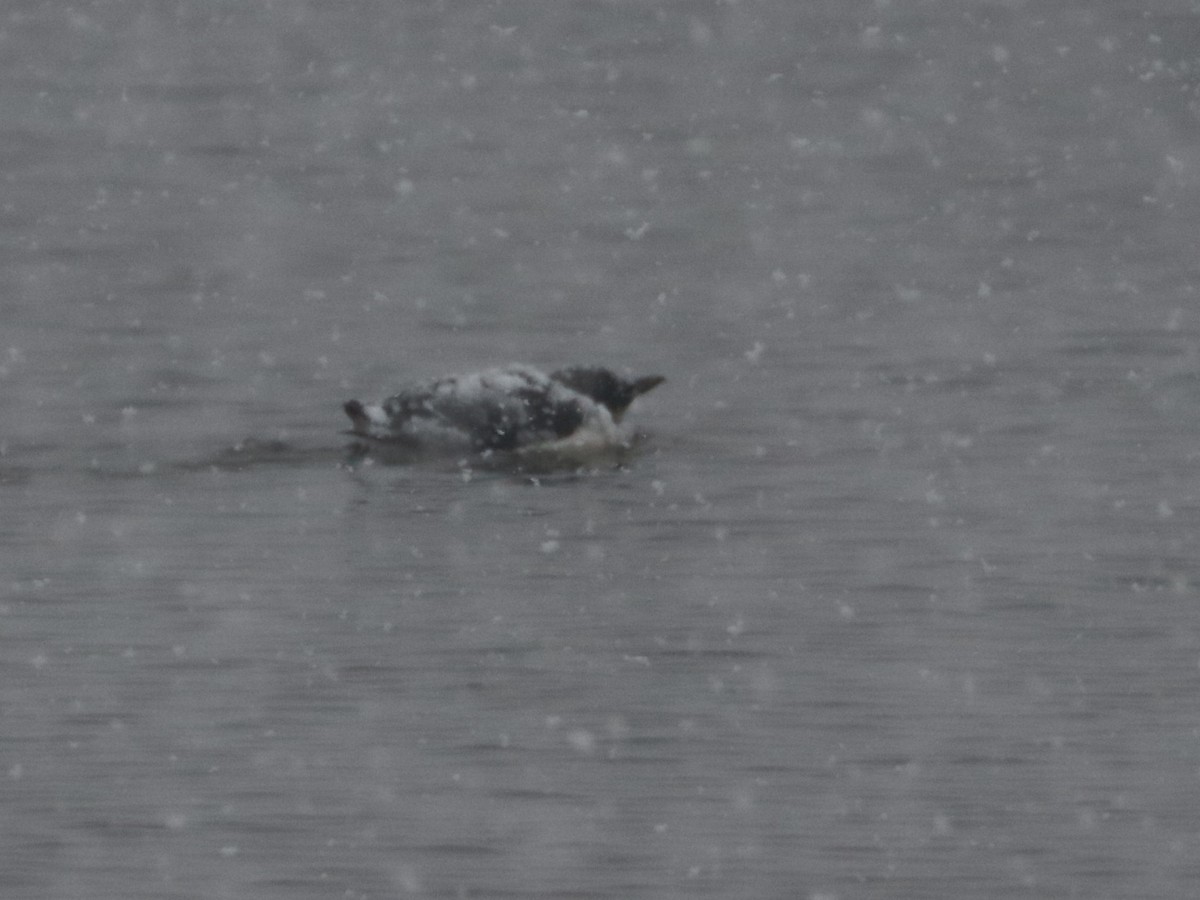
(497, 409)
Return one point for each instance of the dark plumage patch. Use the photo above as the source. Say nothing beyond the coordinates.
(549, 413)
(605, 387)
(358, 415)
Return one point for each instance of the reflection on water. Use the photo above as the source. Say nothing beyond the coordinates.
(892, 596)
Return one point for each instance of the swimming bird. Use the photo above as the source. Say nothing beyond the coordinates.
(510, 408)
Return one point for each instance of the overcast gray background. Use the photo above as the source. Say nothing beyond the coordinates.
(898, 601)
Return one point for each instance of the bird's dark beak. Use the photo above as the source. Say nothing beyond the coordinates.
(647, 383)
(637, 387)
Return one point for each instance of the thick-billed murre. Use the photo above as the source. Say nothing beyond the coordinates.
(510, 408)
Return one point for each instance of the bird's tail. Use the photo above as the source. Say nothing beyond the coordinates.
(358, 416)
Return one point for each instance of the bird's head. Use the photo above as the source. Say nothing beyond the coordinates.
(606, 387)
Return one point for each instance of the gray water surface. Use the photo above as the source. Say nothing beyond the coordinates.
(897, 598)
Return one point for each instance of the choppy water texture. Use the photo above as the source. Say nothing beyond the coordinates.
(897, 598)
